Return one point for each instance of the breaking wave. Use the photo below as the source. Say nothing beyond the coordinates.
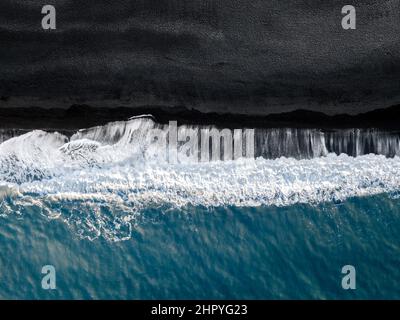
(101, 179)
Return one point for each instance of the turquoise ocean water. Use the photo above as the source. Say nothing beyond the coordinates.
(118, 221)
(293, 252)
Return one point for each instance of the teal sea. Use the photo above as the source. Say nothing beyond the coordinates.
(268, 252)
(117, 220)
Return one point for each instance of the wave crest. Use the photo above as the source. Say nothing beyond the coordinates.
(100, 186)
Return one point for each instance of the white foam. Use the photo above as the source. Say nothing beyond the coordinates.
(110, 160)
(245, 182)
(101, 186)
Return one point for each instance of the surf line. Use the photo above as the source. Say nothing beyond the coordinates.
(202, 144)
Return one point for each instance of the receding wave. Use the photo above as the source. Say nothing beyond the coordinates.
(100, 180)
(269, 143)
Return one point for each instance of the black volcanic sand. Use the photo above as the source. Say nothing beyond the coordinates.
(83, 116)
(247, 57)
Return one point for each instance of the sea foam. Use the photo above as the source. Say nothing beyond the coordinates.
(101, 179)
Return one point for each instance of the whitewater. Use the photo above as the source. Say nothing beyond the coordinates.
(100, 179)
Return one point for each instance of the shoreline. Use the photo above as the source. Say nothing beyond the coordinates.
(84, 116)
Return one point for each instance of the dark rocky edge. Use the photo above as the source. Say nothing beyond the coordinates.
(84, 116)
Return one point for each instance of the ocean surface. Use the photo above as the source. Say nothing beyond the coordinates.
(118, 222)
